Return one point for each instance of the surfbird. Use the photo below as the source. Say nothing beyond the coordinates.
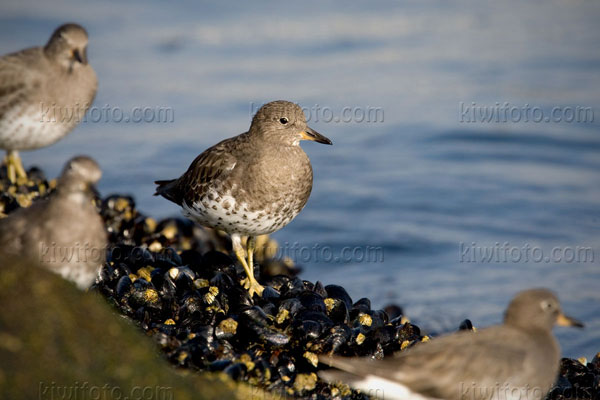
(251, 184)
(518, 359)
(64, 232)
(44, 93)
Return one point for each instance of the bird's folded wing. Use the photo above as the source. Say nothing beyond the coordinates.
(16, 83)
(12, 230)
(212, 165)
(444, 366)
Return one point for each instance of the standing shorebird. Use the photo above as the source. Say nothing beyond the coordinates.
(63, 233)
(44, 93)
(518, 359)
(251, 184)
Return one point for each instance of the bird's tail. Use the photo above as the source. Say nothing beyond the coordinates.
(169, 190)
(360, 374)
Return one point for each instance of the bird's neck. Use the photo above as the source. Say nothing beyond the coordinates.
(52, 49)
(543, 335)
(272, 139)
(74, 192)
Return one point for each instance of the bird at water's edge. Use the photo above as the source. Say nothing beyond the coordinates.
(518, 359)
(63, 233)
(251, 184)
(44, 94)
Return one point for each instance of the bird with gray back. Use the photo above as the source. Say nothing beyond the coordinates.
(518, 359)
(251, 184)
(64, 232)
(44, 94)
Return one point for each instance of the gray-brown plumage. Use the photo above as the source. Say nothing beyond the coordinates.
(44, 93)
(63, 233)
(251, 184)
(518, 359)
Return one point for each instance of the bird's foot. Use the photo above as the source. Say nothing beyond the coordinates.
(253, 286)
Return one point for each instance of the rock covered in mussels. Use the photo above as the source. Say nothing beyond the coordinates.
(178, 283)
(24, 192)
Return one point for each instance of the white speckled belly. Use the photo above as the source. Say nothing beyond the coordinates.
(222, 215)
(31, 129)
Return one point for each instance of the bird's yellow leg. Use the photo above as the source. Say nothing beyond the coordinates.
(250, 282)
(250, 247)
(254, 285)
(239, 252)
(14, 167)
(10, 170)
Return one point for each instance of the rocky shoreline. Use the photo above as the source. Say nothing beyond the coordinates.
(177, 282)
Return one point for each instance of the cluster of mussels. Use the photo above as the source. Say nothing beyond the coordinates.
(24, 192)
(578, 379)
(171, 278)
(178, 283)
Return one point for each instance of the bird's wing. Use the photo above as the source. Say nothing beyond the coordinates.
(10, 237)
(17, 82)
(445, 366)
(15, 228)
(209, 167)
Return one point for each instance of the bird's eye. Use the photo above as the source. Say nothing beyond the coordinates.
(546, 305)
(283, 120)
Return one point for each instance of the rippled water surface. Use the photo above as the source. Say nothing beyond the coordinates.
(422, 185)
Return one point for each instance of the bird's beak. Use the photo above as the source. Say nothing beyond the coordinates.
(80, 56)
(564, 320)
(311, 134)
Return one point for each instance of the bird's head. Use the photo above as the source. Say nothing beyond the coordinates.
(284, 122)
(68, 46)
(537, 309)
(79, 174)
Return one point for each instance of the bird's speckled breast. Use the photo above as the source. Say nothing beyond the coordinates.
(50, 103)
(260, 199)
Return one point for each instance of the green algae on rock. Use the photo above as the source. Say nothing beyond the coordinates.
(56, 339)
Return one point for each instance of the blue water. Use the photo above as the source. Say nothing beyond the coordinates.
(416, 184)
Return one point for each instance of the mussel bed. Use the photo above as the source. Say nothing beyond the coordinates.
(178, 283)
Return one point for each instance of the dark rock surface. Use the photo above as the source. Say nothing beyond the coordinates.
(177, 283)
